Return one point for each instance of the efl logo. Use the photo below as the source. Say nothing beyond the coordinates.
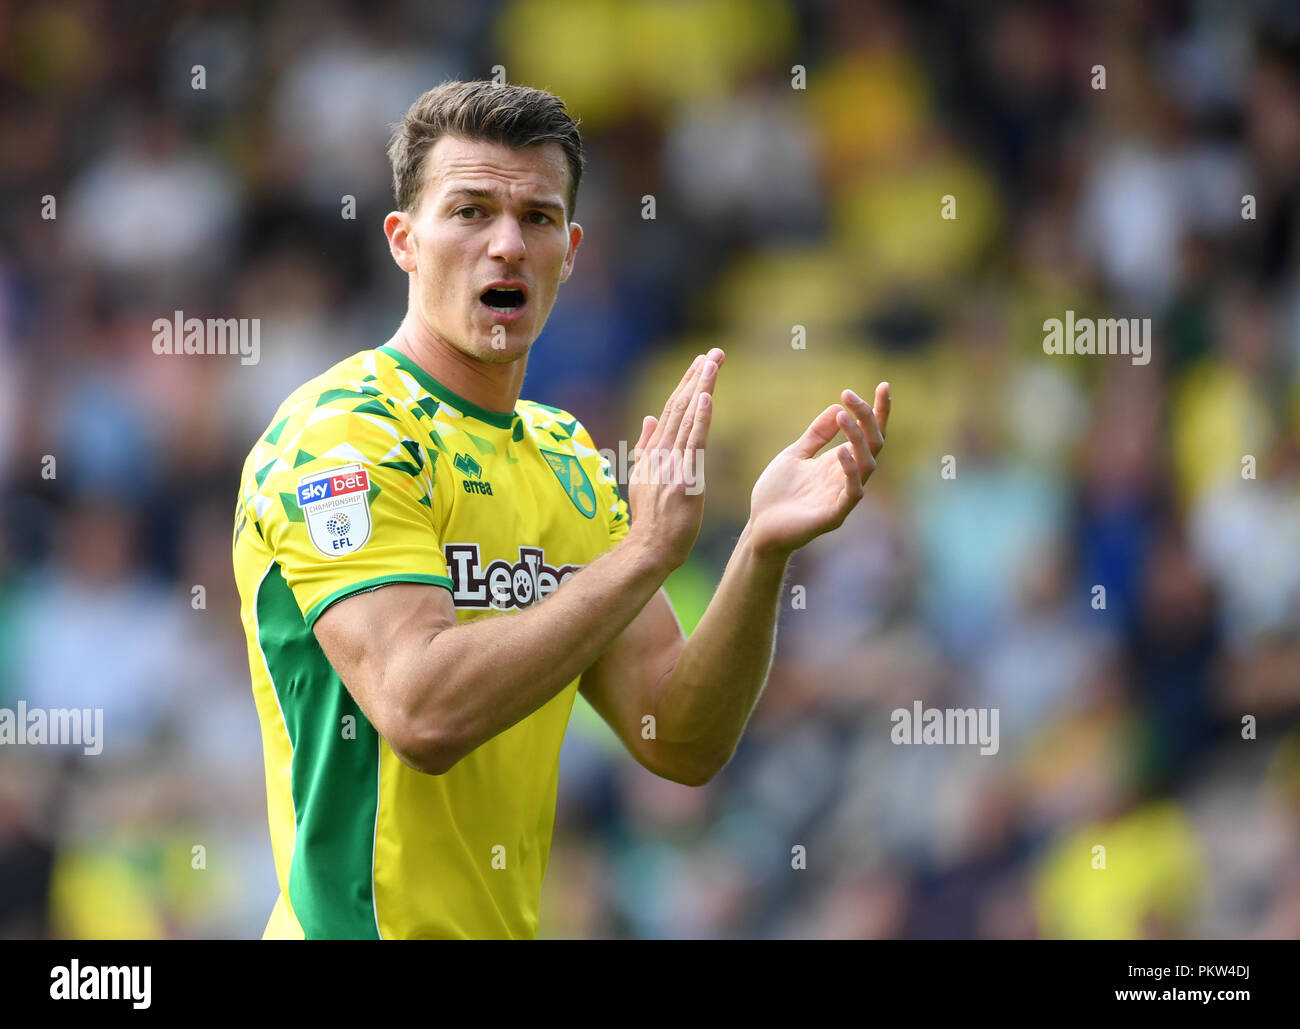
(334, 486)
(336, 507)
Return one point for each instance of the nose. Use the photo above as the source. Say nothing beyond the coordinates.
(507, 240)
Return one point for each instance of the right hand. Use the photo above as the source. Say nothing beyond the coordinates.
(666, 487)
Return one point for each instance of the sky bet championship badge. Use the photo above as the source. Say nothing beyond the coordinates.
(336, 506)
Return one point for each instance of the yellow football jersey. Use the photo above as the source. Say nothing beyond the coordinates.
(375, 473)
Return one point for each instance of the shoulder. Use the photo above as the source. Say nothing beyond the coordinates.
(350, 406)
(347, 416)
(556, 426)
(545, 420)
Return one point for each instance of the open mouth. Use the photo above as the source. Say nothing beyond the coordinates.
(503, 301)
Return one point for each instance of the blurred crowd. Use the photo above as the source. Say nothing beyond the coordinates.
(1116, 160)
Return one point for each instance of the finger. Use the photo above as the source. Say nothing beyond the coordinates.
(677, 406)
(677, 390)
(857, 438)
(683, 430)
(699, 434)
(681, 386)
(703, 386)
(866, 419)
(853, 486)
(884, 401)
(693, 460)
(648, 425)
(717, 356)
(820, 432)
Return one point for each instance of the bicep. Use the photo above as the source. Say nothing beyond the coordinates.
(375, 641)
(624, 683)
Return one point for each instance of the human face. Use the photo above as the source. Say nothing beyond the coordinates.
(488, 214)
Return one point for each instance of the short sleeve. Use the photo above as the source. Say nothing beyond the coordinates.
(354, 506)
(608, 498)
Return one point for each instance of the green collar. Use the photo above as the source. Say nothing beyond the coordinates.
(437, 389)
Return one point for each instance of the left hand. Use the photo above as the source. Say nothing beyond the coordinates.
(801, 495)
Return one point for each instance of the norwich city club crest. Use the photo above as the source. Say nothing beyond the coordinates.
(574, 480)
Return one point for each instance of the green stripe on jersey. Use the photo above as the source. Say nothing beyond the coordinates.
(335, 780)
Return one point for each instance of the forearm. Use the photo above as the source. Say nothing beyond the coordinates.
(476, 680)
(723, 666)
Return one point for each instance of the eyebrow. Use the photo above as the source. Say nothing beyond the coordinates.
(478, 193)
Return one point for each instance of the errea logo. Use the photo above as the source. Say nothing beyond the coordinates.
(473, 472)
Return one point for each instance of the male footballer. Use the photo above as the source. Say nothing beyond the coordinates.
(403, 517)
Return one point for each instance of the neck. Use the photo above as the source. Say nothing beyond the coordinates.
(493, 387)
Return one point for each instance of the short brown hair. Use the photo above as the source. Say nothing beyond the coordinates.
(481, 112)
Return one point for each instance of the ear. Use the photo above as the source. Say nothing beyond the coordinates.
(575, 239)
(401, 242)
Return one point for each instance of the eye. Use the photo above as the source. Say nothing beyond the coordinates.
(545, 219)
(463, 210)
